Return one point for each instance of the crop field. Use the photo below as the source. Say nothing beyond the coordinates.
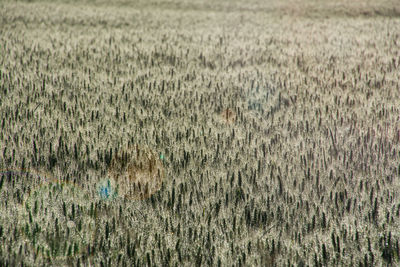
(200, 133)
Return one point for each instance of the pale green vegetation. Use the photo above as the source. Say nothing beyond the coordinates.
(306, 174)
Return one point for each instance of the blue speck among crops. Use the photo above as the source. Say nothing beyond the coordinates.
(262, 98)
(106, 191)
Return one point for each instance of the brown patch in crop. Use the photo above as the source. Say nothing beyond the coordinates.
(138, 172)
(229, 116)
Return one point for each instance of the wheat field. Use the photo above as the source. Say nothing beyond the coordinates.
(199, 133)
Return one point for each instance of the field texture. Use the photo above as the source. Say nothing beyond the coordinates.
(196, 133)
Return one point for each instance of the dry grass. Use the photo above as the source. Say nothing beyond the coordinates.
(306, 172)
